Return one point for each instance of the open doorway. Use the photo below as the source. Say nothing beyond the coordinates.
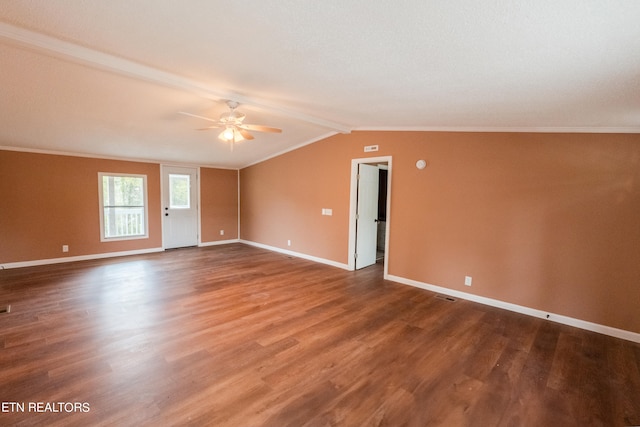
(370, 209)
(383, 177)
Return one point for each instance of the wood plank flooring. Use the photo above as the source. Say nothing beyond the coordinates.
(237, 336)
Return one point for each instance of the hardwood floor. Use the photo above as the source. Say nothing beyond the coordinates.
(238, 336)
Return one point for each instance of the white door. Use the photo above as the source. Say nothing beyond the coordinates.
(179, 207)
(367, 216)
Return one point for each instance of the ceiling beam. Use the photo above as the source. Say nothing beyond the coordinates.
(103, 61)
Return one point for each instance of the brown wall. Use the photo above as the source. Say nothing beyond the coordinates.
(47, 201)
(282, 199)
(546, 221)
(219, 204)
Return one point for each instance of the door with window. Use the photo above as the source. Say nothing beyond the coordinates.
(179, 207)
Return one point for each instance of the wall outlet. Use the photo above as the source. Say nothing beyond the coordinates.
(467, 280)
(65, 248)
(370, 148)
(222, 232)
(326, 211)
(288, 242)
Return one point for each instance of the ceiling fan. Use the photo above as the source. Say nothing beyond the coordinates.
(234, 130)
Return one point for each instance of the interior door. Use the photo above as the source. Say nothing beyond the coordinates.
(179, 207)
(367, 215)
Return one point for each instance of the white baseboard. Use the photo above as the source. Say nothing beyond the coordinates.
(77, 258)
(100, 256)
(296, 254)
(218, 242)
(570, 321)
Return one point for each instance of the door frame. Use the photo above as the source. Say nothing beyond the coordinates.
(353, 207)
(163, 202)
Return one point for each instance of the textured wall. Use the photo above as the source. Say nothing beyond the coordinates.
(219, 204)
(47, 201)
(547, 221)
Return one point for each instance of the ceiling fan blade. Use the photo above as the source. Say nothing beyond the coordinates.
(198, 117)
(245, 133)
(260, 128)
(210, 127)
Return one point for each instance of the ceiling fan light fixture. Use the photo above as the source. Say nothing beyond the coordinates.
(231, 135)
(228, 134)
(234, 129)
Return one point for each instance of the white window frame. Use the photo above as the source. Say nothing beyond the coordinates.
(101, 206)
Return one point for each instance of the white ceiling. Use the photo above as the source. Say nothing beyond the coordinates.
(108, 78)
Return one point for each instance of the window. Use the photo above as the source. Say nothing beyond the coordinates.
(123, 206)
(179, 191)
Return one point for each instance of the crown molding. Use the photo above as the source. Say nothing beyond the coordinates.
(104, 157)
(489, 129)
(106, 62)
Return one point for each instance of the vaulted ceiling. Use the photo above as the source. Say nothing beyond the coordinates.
(108, 78)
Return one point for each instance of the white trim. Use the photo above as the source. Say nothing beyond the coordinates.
(513, 129)
(199, 202)
(353, 197)
(558, 318)
(125, 67)
(78, 258)
(101, 175)
(97, 156)
(218, 242)
(296, 254)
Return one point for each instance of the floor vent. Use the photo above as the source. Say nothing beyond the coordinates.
(446, 298)
(5, 309)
